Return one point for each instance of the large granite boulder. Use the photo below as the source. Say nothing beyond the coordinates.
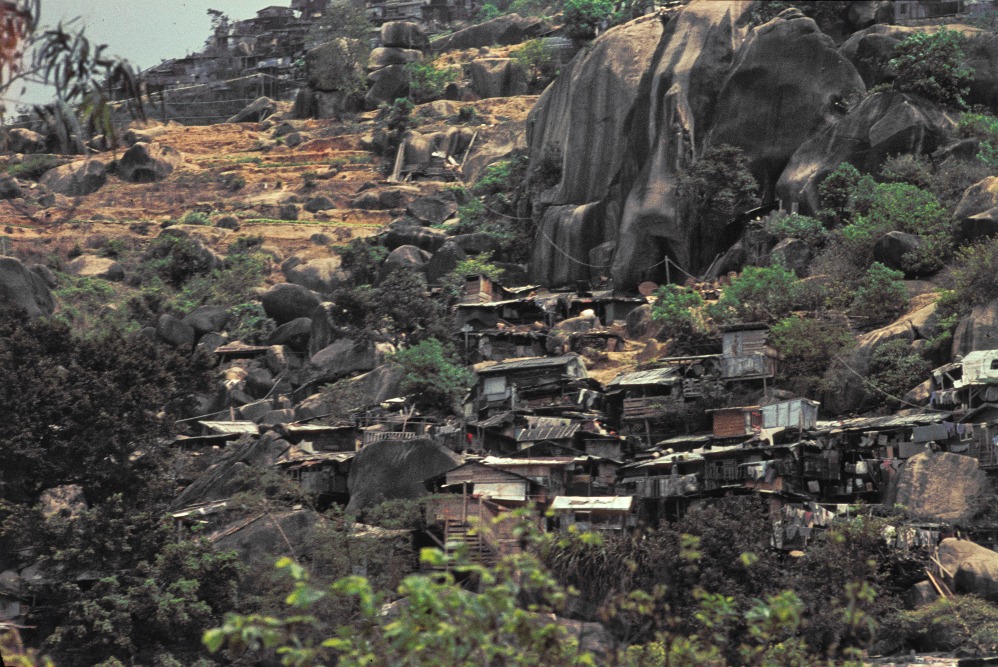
(23, 140)
(345, 357)
(259, 109)
(895, 250)
(391, 55)
(882, 125)
(497, 77)
(424, 238)
(404, 257)
(974, 568)
(147, 163)
(794, 81)
(173, 331)
(24, 289)
(285, 302)
(977, 212)
(404, 34)
(260, 539)
(847, 392)
(433, 209)
(323, 330)
(395, 469)
(374, 387)
(386, 85)
(207, 319)
(91, 266)
(976, 331)
(444, 261)
(293, 334)
(323, 274)
(942, 487)
(76, 179)
(503, 30)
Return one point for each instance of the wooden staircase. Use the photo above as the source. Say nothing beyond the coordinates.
(457, 532)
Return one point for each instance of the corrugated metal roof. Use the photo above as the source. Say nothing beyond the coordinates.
(560, 432)
(240, 427)
(685, 439)
(490, 305)
(659, 376)
(535, 461)
(591, 503)
(885, 422)
(528, 363)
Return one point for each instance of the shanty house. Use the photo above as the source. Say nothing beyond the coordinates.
(746, 354)
(488, 315)
(550, 472)
(799, 413)
(594, 512)
(512, 384)
(496, 484)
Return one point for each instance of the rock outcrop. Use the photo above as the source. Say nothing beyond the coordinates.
(882, 125)
(76, 179)
(508, 29)
(976, 331)
(393, 469)
(974, 568)
(944, 487)
(147, 163)
(24, 289)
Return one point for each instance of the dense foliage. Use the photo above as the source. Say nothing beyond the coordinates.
(931, 64)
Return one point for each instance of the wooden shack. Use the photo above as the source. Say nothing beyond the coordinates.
(745, 352)
(594, 512)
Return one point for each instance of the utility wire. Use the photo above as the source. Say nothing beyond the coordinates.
(890, 396)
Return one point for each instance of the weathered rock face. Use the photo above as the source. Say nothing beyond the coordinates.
(849, 392)
(882, 125)
(387, 84)
(893, 248)
(77, 179)
(509, 29)
(497, 77)
(24, 289)
(207, 319)
(433, 210)
(426, 239)
(939, 486)
(976, 331)
(566, 231)
(344, 357)
(974, 568)
(147, 163)
(395, 469)
(977, 212)
(795, 82)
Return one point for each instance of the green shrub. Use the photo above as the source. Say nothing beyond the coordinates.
(584, 17)
(907, 168)
(795, 226)
(984, 128)
(196, 218)
(249, 323)
(932, 65)
(906, 208)
(433, 374)
(759, 294)
(678, 309)
(487, 12)
(453, 283)
(954, 176)
(427, 80)
(894, 369)
(975, 273)
(363, 259)
(176, 259)
(881, 295)
(537, 58)
(233, 182)
(965, 624)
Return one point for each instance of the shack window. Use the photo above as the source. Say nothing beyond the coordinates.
(994, 364)
(493, 386)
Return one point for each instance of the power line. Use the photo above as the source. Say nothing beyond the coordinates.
(890, 396)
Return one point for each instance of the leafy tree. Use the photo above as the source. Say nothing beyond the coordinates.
(715, 188)
(678, 309)
(537, 58)
(895, 368)
(345, 31)
(584, 18)
(836, 189)
(363, 259)
(975, 274)
(807, 348)
(759, 294)
(932, 65)
(795, 226)
(984, 128)
(85, 409)
(433, 373)
(427, 80)
(881, 295)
